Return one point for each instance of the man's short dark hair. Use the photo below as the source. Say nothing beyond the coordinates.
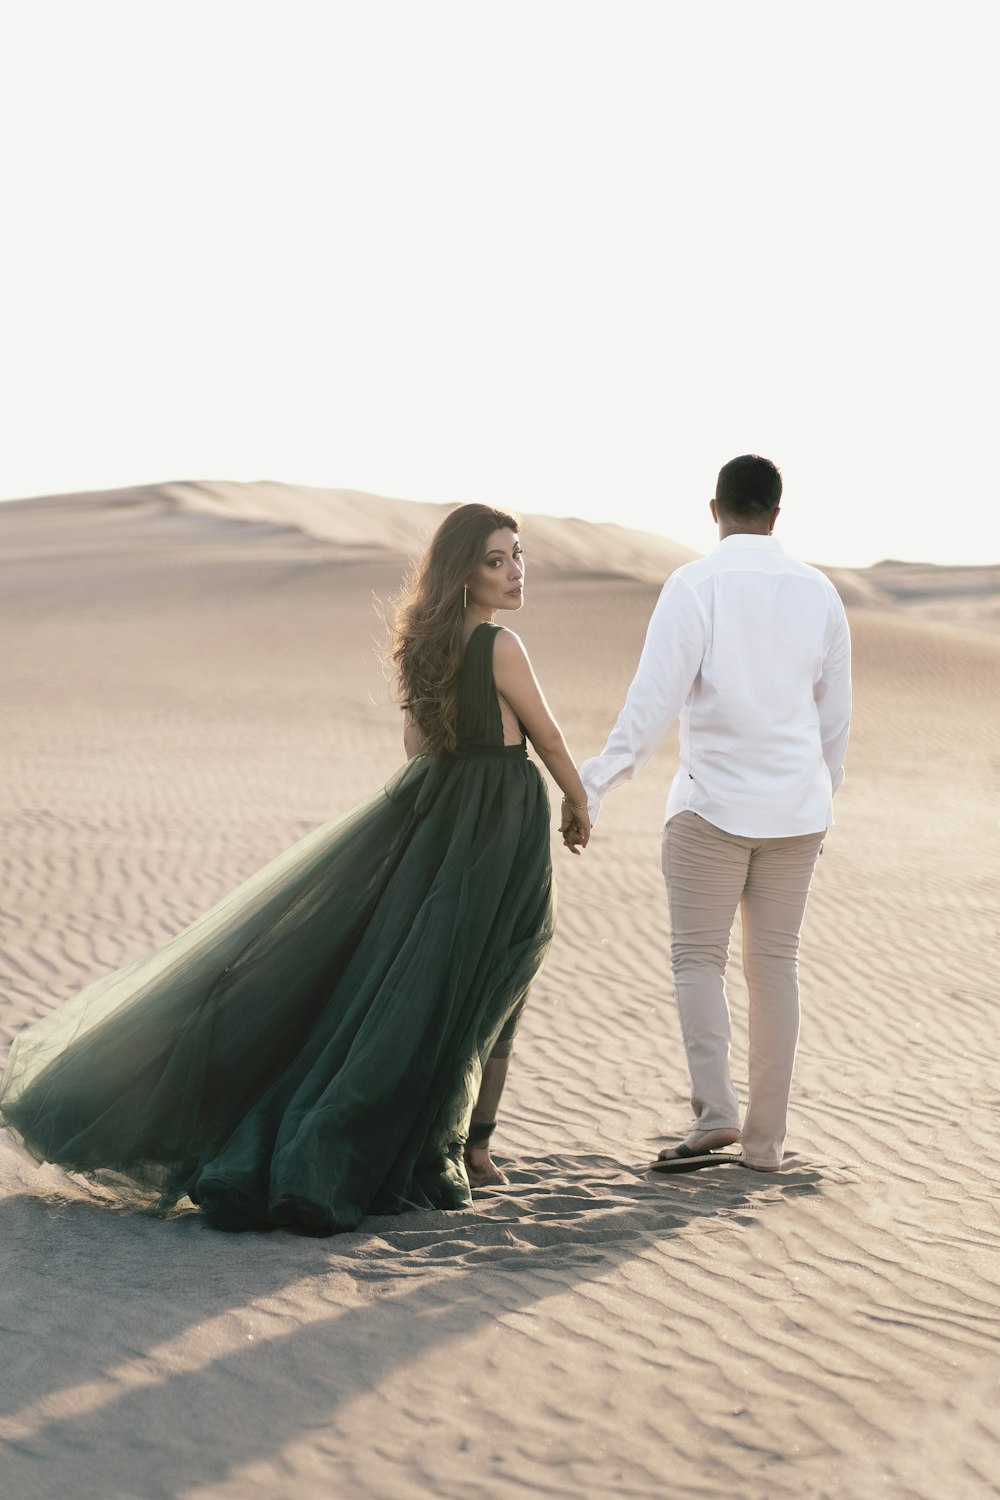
(748, 488)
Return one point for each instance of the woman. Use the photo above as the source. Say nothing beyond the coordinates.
(310, 1050)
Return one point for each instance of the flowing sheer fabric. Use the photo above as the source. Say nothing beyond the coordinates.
(310, 1049)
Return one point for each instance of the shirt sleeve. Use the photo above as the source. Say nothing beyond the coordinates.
(833, 697)
(670, 662)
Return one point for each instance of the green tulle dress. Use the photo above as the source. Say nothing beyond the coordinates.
(309, 1050)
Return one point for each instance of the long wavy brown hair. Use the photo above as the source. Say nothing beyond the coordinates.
(426, 620)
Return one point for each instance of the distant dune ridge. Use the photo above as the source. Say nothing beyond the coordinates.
(189, 683)
(353, 519)
(368, 525)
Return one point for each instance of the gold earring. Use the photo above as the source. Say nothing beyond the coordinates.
(465, 596)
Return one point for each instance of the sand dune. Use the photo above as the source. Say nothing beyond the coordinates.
(353, 520)
(966, 597)
(358, 525)
(190, 684)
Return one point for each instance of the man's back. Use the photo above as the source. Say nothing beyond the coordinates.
(751, 650)
(752, 730)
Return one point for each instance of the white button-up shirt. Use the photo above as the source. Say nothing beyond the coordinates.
(751, 649)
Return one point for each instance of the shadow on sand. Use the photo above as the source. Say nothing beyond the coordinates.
(126, 1352)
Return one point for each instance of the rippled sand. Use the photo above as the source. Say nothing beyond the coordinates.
(186, 692)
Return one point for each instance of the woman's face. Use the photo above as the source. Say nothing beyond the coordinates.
(498, 581)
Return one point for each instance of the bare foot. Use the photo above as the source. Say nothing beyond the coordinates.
(695, 1142)
(481, 1169)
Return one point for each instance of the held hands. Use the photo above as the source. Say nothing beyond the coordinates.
(574, 826)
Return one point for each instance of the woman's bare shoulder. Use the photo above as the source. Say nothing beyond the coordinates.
(508, 643)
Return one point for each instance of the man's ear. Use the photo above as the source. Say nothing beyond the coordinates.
(715, 513)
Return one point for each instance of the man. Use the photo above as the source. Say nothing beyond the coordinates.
(751, 649)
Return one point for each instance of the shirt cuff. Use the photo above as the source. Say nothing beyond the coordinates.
(593, 801)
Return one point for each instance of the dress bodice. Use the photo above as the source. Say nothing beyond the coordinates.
(480, 722)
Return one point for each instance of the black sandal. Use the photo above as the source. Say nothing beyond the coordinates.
(690, 1159)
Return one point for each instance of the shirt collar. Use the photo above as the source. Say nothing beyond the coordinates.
(741, 539)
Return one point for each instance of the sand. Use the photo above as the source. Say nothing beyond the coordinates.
(186, 691)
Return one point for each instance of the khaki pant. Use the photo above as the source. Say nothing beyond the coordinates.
(709, 874)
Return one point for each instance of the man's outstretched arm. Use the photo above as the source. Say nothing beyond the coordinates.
(671, 660)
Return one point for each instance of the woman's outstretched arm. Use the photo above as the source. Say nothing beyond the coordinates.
(517, 683)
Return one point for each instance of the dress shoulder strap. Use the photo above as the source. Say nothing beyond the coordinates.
(479, 716)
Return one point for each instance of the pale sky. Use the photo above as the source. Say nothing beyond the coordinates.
(558, 255)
